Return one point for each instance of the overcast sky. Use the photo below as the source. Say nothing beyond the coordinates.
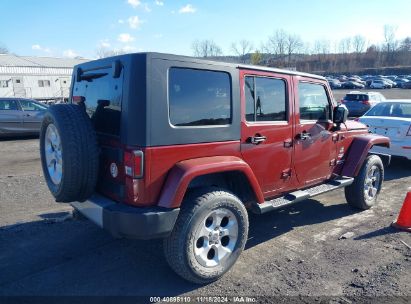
(79, 27)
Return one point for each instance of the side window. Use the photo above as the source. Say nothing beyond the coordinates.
(8, 105)
(314, 103)
(28, 105)
(265, 99)
(249, 98)
(199, 97)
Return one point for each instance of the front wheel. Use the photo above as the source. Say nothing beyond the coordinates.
(208, 237)
(363, 193)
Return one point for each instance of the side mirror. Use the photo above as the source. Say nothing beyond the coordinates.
(340, 114)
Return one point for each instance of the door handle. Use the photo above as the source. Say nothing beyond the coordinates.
(257, 139)
(304, 136)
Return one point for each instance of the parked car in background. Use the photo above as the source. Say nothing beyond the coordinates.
(335, 84)
(19, 116)
(406, 85)
(379, 84)
(358, 103)
(400, 81)
(391, 118)
(357, 80)
(391, 83)
(352, 85)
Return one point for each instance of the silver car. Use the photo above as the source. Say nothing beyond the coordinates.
(20, 116)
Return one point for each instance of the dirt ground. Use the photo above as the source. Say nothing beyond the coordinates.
(294, 254)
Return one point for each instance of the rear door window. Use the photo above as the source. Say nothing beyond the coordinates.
(265, 99)
(199, 97)
(102, 94)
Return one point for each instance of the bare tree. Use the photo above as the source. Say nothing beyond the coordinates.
(306, 48)
(3, 49)
(406, 44)
(241, 49)
(391, 43)
(206, 48)
(358, 43)
(322, 47)
(389, 37)
(293, 45)
(345, 45)
(277, 43)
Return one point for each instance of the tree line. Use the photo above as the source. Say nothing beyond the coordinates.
(287, 50)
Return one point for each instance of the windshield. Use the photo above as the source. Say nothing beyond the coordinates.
(391, 109)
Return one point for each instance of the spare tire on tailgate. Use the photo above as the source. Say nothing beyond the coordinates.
(69, 153)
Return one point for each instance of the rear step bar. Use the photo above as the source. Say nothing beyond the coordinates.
(300, 195)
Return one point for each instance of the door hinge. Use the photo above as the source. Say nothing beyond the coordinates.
(286, 174)
(288, 143)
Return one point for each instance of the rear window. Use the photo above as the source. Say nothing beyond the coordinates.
(199, 97)
(103, 96)
(356, 97)
(402, 110)
(8, 105)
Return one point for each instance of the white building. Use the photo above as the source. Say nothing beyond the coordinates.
(42, 78)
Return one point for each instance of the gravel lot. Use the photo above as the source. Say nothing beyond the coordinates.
(293, 252)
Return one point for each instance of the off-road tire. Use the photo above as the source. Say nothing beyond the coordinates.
(355, 193)
(180, 245)
(80, 152)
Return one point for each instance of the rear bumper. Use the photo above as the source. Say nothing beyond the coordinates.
(126, 221)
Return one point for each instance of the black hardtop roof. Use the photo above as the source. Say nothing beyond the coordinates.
(155, 55)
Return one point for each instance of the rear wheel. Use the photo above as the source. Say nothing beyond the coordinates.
(209, 236)
(363, 193)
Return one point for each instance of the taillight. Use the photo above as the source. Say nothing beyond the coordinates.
(134, 163)
(342, 101)
(409, 131)
(366, 102)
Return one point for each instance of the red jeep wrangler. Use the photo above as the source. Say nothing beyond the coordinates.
(156, 145)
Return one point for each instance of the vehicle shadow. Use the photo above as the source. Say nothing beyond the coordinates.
(267, 226)
(379, 232)
(14, 137)
(74, 257)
